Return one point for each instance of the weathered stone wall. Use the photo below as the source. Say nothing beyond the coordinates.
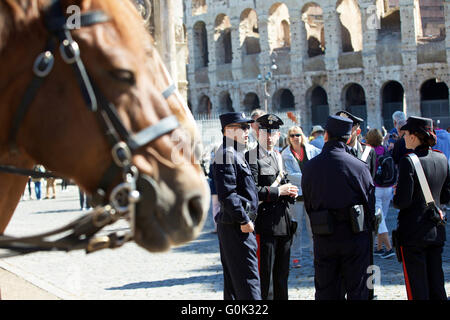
(385, 46)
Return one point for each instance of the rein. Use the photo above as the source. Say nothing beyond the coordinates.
(123, 198)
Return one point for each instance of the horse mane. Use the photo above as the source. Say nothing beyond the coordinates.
(15, 15)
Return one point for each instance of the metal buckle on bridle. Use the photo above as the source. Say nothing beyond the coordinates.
(121, 154)
(70, 51)
(43, 64)
(125, 195)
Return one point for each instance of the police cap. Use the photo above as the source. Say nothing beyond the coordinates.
(233, 117)
(419, 124)
(338, 126)
(269, 121)
(356, 120)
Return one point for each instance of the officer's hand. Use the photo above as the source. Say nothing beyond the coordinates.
(288, 189)
(248, 228)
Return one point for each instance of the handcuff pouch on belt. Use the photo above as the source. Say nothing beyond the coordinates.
(322, 222)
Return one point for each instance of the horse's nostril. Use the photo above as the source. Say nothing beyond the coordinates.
(195, 210)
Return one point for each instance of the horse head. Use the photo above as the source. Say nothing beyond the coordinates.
(105, 115)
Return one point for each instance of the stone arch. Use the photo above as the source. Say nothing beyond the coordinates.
(249, 32)
(251, 102)
(434, 102)
(279, 27)
(222, 39)
(354, 101)
(392, 99)
(225, 102)
(351, 25)
(200, 45)
(317, 101)
(283, 100)
(204, 105)
(312, 17)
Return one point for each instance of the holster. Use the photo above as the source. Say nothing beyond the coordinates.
(357, 218)
(321, 222)
(250, 214)
(396, 245)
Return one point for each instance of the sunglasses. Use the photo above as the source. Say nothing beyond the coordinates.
(243, 126)
(295, 135)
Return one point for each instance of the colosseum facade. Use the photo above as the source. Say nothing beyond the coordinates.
(371, 57)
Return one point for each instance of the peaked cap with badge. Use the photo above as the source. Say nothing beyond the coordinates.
(356, 120)
(269, 121)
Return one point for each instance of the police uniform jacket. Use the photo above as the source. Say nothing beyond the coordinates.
(414, 225)
(371, 159)
(336, 180)
(237, 190)
(273, 214)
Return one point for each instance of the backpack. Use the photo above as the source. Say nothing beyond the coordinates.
(386, 174)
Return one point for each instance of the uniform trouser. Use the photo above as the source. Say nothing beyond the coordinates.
(341, 262)
(239, 262)
(422, 268)
(274, 254)
(299, 213)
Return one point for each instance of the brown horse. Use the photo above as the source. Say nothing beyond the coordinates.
(59, 130)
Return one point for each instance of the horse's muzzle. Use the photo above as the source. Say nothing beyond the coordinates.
(163, 218)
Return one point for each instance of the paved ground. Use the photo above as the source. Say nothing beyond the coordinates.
(192, 271)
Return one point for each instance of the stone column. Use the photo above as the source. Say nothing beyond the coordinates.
(298, 45)
(264, 56)
(237, 51)
(370, 25)
(191, 64)
(332, 30)
(166, 44)
(212, 62)
(409, 47)
(447, 31)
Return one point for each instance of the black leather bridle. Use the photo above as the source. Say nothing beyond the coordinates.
(123, 143)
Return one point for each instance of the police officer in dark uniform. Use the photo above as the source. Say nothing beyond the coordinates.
(273, 224)
(355, 147)
(339, 198)
(367, 154)
(421, 231)
(238, 197)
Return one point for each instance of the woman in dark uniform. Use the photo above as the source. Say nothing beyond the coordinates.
(420, 237)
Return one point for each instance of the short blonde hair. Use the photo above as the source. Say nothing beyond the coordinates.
(303, 139)
(374, 137)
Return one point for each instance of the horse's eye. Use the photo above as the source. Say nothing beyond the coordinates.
(123, 75)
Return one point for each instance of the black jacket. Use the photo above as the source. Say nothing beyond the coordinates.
(414, 225)
(335, 179)
(234, 183)
(273, 210)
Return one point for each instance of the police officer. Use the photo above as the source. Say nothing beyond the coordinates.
(421, 233)
(339, 198)
(238, 197)
(367, 154)
(273, 223)
(360, 150)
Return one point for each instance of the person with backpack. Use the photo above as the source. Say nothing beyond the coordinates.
(385, 178)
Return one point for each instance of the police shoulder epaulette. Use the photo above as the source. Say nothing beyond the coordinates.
(437, 150)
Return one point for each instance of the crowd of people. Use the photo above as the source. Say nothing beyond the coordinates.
(35, 183)
(339, 185)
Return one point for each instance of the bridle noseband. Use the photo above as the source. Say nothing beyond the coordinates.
(124, 196)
